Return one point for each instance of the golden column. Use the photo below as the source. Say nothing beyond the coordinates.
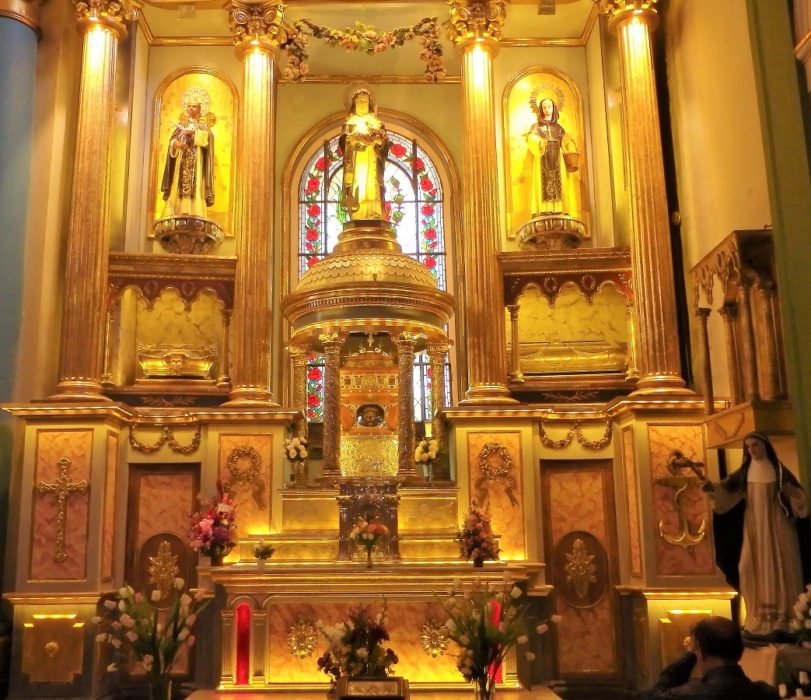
(475, 27)
(331, 439)
(84, 313)
(436, 357)
(406, 470)
(298, 355)
(257, 32)
(652, 264)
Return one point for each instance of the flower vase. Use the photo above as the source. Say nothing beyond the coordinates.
(160, 688)
(218, 554)
(478, 562)
(484, 692)
(369, 556)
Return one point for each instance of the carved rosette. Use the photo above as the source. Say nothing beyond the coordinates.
(108, 13)
(257, 25)
(301, 639)
(434, 638)
(472, 20)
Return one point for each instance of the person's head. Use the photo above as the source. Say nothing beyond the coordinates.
(717, 642)
(548, 109)
(362, 101)
(758, 446)
(194, 110)
(370, 415)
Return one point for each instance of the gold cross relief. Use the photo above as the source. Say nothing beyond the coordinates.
(62, 488)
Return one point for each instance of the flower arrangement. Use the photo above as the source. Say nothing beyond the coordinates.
(368, 534)
(213, 527)
(365, 38)
(485, 623)
(355, 648)
(425, 454)
(295, 448)
(133, 626)
(476, 539)
(263, 550)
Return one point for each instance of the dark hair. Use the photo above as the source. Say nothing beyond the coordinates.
(719, 637)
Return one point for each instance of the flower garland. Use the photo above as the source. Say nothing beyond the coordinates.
(166, 436)
(365, 38)
(576, 431)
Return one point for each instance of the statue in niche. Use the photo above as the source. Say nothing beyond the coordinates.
(365, 146)
(554, 160)
(188, 174)
(369, 416)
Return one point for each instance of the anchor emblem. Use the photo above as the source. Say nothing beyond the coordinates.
(680, 482)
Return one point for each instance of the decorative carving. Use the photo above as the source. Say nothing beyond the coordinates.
(301, 639)
(476, 19)
(580, 566)
(434, 638)
(249, 476)
(496, 466)
(51, 648)
(372, 501)
(110, 13)
(676, 463)
(257, 25)
(580, 569)
(62, 488)
(576, 431)
(163, 569)
(614, 8)
(166, 437)
(167, 360)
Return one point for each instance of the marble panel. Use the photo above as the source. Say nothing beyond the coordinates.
(302, 513)
(671, 559)
(586, 640)
(51, 446)
(251, 493)
(420, 513)
(632, 501)
(108, 535)
(165, 502)
(501, 496)
(405, 621)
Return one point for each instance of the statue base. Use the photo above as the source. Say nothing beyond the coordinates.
(188, 235)
(552, 231)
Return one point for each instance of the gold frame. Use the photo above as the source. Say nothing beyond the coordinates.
(583, 142)
(228, 226)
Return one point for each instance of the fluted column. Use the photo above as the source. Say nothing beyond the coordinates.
(436, 357)
(651, 261)
(773, 388)
(728, 315)
(257, 32)
(406, 469)
(224, 377)
(515, 343)
(299, 357)
(476, 29)
(84, 312)
(750, 373)
(332, 406)
(703, 315)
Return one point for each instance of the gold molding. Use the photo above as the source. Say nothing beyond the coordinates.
(383, 79)
(191, 41)
(547, 42)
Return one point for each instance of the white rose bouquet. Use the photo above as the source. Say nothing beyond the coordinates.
(426, 453)
(295, 449)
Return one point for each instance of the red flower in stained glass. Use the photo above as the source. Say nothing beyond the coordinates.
(430, 233)
(313, 400)
(312, 234)
(427, 210)
(314, 374)
(313, 184)
(311, 413)
(430, 263)
(321, 163)
(426, 184)
(313, 210)
(398, 150)
(312, 261)
(309, 246)
(418, 164)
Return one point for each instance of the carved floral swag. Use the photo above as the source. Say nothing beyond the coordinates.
(363, 37)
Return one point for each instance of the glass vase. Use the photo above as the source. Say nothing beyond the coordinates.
(484, 692)
(160, 689)
(218, 554)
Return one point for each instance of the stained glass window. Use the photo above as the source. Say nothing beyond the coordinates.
(415, 206)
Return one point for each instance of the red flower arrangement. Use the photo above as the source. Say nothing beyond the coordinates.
(213, 527)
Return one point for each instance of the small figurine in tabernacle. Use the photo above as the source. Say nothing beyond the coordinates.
(370, 415)
(188, 175)
(365, 146)
(762, 536)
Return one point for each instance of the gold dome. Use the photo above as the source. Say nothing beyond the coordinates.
(367, 285)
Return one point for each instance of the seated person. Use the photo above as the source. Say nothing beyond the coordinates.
(714, 647)
(369, 415)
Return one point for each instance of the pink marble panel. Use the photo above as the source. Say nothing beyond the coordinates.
(252, 497)
(503, 498)
(108, 534)
(164, 505)
(671, 559)
(585, 635)
(51, 446)
(632, 500)
(405, 621)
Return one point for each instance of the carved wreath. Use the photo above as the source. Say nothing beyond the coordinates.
(499, 471)
(250, 473)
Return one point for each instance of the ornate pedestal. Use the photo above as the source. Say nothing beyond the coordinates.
(370, 501)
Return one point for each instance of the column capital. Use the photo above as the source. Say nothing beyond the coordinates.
(110, 14)
(623, 10)
(24, 11)
(479, 21)
(257, 26)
